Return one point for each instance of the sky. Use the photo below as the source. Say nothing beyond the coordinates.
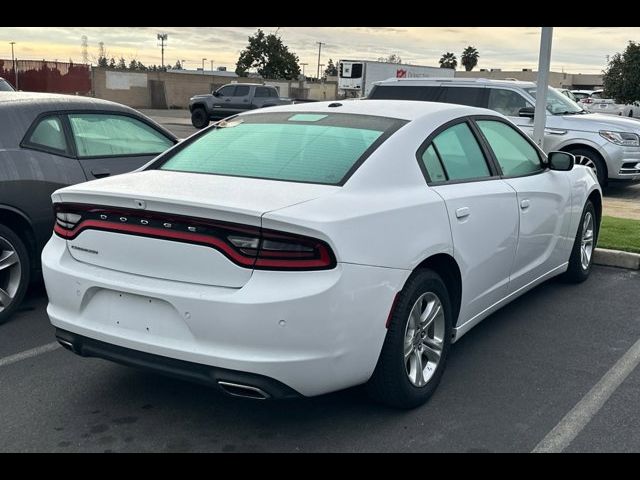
(574, 49)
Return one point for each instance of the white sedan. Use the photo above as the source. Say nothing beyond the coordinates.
(304, 249)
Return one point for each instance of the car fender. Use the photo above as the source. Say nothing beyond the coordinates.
(583, 184)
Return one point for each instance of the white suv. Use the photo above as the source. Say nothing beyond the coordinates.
(608, 144)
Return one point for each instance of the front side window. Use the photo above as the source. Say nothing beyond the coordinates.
(460, 154)
(515, 155)
(506, 102)
(558, 104)
(227, 91)
(49, 135)
(106, 135)
(298, 147)
(5, 86)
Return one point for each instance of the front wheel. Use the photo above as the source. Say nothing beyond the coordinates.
(592, 160)
(415, 349)
(199, 118)
(584, 245)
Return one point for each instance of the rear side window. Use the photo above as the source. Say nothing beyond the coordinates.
(262, 92)
(470, 96)
(105, 135)
(241, 91)
(322, 148)
(48, 135)
(273, 93)
(515, 155)
(408, 92)
(460, 153)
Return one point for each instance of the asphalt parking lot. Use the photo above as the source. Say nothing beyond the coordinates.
(509, 382)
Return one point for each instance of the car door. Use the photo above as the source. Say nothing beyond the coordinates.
(241, 100)
(261, 97)
(544, 198)
(109, 143)
(508, 103)
(482, 210)
(222, 101)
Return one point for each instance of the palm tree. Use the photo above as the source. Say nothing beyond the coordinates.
(469, 58)
(448, 60)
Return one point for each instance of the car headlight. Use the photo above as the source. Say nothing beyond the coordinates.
(621, 138)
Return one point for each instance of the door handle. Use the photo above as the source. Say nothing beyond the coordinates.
(228, 100)
(463, 212)
(245, 100)
(100, 173)
(524, 204)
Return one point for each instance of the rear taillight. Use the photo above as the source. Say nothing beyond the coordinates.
(587, 100)
(247, 246)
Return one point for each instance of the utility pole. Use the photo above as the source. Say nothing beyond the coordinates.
(303, 65)
(203, 65)
(13, 61)
(163, 38)
(544, 61)
(319, 50)
(212, 65)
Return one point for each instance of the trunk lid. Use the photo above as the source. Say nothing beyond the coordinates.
(160, 223)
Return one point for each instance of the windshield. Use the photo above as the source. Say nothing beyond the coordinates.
(296, 147)
(5, 86)
(557, 103)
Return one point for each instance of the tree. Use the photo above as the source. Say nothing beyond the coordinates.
(269, 56)
(621, 79)
(133, 65)
(448, 60)
(469, 58)
(122, 64)
(393, 58)
(178, 65)
(331, 70)
(112, 63)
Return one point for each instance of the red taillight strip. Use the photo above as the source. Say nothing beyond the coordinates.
(280, 260)
(157, 233)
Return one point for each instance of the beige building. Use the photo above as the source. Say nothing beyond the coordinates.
(574, 81)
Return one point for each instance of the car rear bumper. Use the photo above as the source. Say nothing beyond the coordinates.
(314, 332)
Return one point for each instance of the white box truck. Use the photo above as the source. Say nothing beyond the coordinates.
(356, 77)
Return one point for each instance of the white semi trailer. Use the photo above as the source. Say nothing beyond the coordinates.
(356, 77)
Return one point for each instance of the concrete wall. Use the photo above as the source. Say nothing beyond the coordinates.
(556, 79)
(132, 88)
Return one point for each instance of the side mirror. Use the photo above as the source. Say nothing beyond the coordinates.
(526, 112)
(561, 161)
(216, 94)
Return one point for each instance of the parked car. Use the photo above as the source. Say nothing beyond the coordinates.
(598, 103)
(607, 144)
(49, 141)
(6, 86)
(632, 110)
(232, 99)
(582, 94)
(353, 246)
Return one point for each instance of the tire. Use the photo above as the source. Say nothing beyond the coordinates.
(15, 269)
(199, 117)
(578, 271)
(393, 382)
(593, 160)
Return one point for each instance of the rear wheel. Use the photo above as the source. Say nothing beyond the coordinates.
(584, 245)
(415, 349)
(14, 272)
(592, 160)
(199, 117)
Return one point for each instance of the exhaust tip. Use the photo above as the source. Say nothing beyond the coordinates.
(66, 344)
(244, 391)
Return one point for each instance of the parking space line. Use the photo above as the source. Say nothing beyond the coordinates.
(573, 422)
(29, 353)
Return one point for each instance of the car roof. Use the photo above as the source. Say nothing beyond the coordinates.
(67, 102)
(454, 81)
(401, 109)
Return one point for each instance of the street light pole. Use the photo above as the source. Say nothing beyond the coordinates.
(544, 61)
(13, 61)
(203, 65)
(303, 65)
(319, 50)
(163, 38)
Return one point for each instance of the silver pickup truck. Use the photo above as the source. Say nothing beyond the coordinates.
(232, 99)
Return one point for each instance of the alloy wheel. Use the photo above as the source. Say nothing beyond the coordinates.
(424, 339)
(586, 244)
(10, 273)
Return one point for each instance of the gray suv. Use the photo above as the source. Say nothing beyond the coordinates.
(608, 144)
(232, 99)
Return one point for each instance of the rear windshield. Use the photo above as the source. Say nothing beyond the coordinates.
(297, 147)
